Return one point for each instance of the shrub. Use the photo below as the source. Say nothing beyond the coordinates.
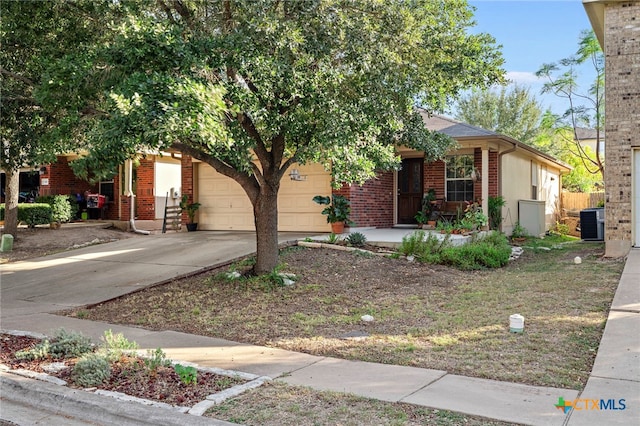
(519, 231)
(69, 344)
(61, 210)
(188, 375)
(411, 244)
(156, 359)
(91, 370)
(422, 245)
(492, 251)
(113, 346)
(31, 214)
(561, 228)
(356, 239)
(495, 205)
(39, 351)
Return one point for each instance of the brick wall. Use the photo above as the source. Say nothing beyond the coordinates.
(62, 181)
(371, 203)
(145, 198)
(434, 177)
(187, 181)
(622, 68)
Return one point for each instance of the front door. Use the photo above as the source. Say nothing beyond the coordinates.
(409, 190)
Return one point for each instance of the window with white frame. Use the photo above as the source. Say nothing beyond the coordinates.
(458, 177)
(534, 181)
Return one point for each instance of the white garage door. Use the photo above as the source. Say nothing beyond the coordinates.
(226, 206)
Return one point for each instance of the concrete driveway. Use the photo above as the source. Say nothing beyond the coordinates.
(97, 273)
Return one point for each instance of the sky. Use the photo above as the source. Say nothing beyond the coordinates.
(533, 33)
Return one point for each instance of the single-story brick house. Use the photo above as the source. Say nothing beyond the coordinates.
(617, 27)
(484, 164)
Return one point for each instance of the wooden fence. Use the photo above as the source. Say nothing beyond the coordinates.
(576, 201)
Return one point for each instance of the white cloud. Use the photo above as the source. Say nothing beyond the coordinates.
(522, 77)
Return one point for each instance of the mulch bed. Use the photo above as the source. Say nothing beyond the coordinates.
(129, 376)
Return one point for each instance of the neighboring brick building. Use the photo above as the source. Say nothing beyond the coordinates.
(153, 177)
(617, 26)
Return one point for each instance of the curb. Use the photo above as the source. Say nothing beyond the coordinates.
(91, 407)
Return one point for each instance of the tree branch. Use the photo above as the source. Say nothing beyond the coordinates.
(16, 76)
(248, 183)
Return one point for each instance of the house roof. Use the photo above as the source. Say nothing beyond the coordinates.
(451, 127)
(586, 133)
(463, 131)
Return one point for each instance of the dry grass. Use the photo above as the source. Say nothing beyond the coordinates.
(425, 315)
(276, 404)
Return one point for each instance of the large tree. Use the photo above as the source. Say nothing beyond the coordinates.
(511, 111)
(556, 139)
(250, 87)
(36, 37)
(586, 107)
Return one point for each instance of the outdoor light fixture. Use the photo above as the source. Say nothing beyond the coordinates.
(295, 175)
(43, 170)
(475, 175)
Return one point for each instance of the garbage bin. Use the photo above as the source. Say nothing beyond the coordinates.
(592, 224)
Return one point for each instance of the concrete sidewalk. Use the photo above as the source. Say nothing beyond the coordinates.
(31, 291)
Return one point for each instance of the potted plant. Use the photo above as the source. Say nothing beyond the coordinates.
(429, 212)
(191, 209)
(337, 211)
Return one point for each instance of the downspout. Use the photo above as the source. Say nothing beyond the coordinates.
(129, 193)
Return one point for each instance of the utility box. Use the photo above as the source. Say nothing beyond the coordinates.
(95, 201)
(592, 224)
(531, 216)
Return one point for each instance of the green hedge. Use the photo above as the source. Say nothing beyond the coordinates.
(32, 214)
(62, 206)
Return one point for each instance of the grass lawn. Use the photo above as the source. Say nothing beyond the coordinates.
(426, 315)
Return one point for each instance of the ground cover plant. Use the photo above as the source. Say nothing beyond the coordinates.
(112, 366)
(425, 315)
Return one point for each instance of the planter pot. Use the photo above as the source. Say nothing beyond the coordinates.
(337, 227)
(192, 227)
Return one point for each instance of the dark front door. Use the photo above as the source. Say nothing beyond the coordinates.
(409, 190)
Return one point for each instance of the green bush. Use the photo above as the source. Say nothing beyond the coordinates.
(113, 346)
(91, 370)
(39, 351)
(61, 210)
(31, 214)
(492, 251)
(495, 205)
(69, 344)
(422, 245)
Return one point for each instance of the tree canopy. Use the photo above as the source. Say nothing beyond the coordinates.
(510, 111)
(586, 107)
(250, 87)
(35, 36)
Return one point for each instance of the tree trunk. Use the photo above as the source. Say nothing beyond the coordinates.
(12, 193)
(266, 220)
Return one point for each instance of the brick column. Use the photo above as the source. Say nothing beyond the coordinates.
(186, 164)
(622, 67)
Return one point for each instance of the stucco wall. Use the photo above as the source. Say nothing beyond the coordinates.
(516, 185)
